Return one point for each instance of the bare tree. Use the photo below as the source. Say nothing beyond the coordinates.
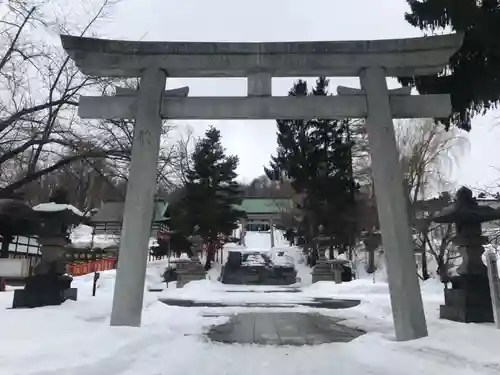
(42, 140)
(39, 129)
(428, 155)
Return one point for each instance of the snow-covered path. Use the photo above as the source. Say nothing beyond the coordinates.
(75, 338)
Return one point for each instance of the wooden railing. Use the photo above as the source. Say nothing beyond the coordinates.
(83, 268)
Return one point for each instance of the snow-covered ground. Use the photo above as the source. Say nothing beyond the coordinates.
(75, 338)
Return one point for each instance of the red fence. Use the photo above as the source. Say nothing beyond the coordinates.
(78, 269)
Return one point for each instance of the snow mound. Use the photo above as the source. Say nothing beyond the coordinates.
(56, 207)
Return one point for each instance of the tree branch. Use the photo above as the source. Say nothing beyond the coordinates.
(12, 153)
(27, 111)
(61, 163)
(12, 46)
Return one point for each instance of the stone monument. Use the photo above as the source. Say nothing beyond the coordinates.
(469, 298)
(370, 60)
(50, 284)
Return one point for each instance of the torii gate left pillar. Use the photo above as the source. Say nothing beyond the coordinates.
(139, 201)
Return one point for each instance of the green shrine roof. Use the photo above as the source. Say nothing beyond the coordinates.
(160, 211)
(112, 212)
(265, 205)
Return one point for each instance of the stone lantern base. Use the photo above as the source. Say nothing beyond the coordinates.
(45, 290)
(50, 285)
(468, 300)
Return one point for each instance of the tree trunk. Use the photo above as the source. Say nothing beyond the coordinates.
(4, 251)
(425, 273)
(441, 269)
(210, 255)
(370, 267)
(314, 256)
(349, 253)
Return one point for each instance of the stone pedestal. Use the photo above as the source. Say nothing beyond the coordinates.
(50, 285)
(189, 270)
(328, 270)
(468, 301)
(44, 290)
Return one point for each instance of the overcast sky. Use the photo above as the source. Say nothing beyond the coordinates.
(283, 20)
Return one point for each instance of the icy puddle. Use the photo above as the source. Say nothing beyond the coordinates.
(282, 329)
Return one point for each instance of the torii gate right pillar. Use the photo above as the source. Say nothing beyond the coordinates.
(406, 300)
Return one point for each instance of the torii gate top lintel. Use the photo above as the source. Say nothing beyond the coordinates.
(399, 57)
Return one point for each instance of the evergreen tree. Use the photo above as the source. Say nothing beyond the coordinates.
(316, 156)
(473, 77)
(334, 186)
(212, 192)
(293, 159)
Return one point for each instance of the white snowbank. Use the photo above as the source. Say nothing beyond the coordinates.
(76, 339)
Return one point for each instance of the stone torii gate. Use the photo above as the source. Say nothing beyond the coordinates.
(371, 61)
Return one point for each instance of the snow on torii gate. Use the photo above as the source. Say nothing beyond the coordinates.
(372, 61)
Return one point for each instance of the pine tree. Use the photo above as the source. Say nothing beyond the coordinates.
(474, 72)
(212, 192)
(293, 159)
(316, 156)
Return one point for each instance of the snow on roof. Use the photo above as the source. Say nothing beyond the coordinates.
(243, 251)
(56, 207)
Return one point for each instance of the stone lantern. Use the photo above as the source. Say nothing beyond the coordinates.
(50, 285)
(469, 298)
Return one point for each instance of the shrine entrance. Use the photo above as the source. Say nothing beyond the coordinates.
(371, 61)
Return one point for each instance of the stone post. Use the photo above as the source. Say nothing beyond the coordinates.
(138, 211)
(406, 300)
(243, 232)
(271, 229)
